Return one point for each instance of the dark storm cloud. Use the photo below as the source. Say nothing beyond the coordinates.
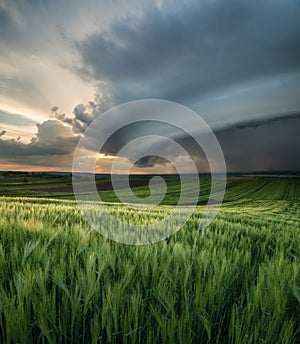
(249, 52)
(270, 144)
(261, 122)
(182, 52)
(263, 146)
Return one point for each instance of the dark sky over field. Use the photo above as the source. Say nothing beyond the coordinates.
(236, 63)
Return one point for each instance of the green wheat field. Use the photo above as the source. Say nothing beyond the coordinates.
(238, 281)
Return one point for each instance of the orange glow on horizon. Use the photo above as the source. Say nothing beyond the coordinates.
(29, 168)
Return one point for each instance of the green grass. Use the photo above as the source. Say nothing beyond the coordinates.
(12, 184)
(236, 282)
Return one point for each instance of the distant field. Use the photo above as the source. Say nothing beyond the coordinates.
(236, 282)
(238, 187)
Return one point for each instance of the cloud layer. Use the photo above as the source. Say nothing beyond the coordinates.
(269, 145)
(53, 146)
(191, 51)
(234, 62)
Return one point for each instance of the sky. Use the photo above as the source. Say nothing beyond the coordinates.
(235, 63)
